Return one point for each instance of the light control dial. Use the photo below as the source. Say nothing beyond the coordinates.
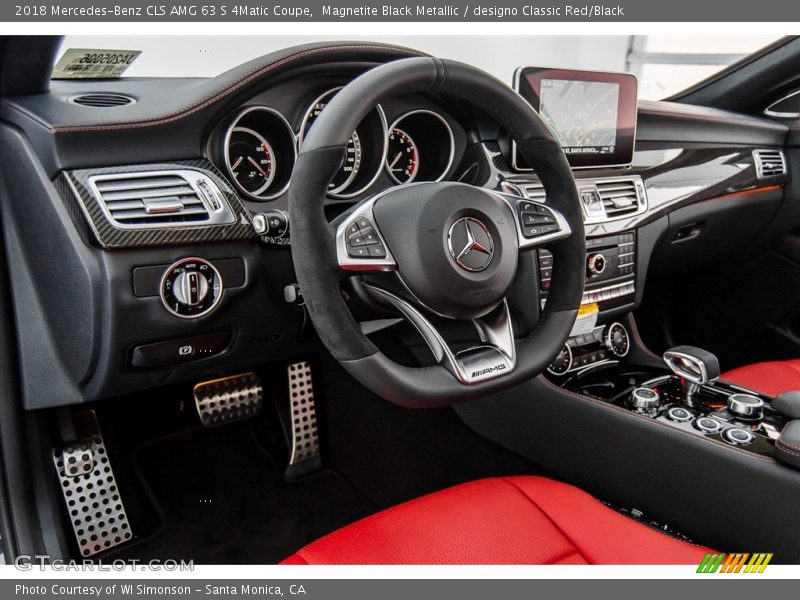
(191, 288)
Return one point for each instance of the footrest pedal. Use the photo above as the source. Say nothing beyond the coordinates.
(305, 455)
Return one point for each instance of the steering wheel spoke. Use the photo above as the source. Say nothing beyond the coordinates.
(495, 355)
(360, 246)
(537, 223)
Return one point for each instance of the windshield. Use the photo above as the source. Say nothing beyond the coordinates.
(664, 65)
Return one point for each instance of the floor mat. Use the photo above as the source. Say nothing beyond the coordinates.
(223, 501)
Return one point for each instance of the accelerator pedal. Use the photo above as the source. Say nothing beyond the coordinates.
(90, 490)
(228, 399)
(305, 457)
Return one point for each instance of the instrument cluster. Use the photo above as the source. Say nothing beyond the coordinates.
(260, 147)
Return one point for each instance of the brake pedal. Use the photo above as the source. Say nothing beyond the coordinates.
(305, 455)
(229, 399)
(90, 492)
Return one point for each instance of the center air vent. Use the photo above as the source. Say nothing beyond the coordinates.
(619, 197)
(160, 199)
(769, 163)
(100, 100)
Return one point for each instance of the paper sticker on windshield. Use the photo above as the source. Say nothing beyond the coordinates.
(80, 63)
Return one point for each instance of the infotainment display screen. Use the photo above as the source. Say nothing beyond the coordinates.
(592, 114)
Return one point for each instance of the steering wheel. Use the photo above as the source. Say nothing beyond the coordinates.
(442, 249)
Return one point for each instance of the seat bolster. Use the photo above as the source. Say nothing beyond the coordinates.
(512, 520)
(601, 534)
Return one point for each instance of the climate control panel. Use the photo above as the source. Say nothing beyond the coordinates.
(602, 344)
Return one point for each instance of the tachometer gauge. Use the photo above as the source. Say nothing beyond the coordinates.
(352, 162)
(251, 160)
(402, 157)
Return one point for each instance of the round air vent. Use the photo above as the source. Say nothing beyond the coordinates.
(102, 100)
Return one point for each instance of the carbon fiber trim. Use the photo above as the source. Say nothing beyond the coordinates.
(74, 189)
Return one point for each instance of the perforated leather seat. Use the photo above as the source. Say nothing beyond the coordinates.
(772, 378)
(511, 520)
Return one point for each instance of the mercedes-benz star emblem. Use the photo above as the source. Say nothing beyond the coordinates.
(470, 244)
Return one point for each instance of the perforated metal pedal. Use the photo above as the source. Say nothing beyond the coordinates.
(305, 456)
(93, 500)
(229, 399)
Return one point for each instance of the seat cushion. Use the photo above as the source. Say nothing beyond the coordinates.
(511, 520)
(770, 378)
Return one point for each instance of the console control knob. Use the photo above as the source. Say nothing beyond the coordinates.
(708, 425)
(596, 264)
(679, 414)
(746, 406)
(644, 399)
(738, 436)
(561, 363)
(191, 288)
(617, 340)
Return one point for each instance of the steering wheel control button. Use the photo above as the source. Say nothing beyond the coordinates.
(362, 240)
(536, 220)
(679, 414)
(708, 425)
(644, 399)
(470, 244)
(738, 436)
(617, 340)
(191, 288)
(746, 407)
(175, 352)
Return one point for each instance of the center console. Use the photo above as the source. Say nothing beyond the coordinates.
(610, 290)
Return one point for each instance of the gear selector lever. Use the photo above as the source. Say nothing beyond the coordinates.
(694, 366)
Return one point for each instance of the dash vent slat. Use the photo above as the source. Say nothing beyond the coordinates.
(769, 163)
(101, 100)
(619, 198)
(134, 201)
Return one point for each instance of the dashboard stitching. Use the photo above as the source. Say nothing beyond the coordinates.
(218, 95)
(669, 429)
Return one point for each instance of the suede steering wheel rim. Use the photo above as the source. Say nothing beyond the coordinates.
(488, 221)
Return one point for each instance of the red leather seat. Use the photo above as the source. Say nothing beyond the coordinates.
(511, 520)
(770, 378)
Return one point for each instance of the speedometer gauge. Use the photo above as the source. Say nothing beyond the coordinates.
(402, 158)
(251, 160)
(352, 162)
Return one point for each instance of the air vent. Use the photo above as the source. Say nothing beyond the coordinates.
(769, 163)
(102, 100)
(619, 197)
(160, 199)
(534, 191)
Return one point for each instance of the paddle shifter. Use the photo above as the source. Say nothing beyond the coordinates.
(694, 367)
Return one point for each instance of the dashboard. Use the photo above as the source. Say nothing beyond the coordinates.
(168, 214)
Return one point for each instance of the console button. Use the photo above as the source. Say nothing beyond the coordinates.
(708, 425)
(738, 436)
(182, 350)
(679, 414)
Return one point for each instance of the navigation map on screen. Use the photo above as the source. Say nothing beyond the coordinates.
(583, 114)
